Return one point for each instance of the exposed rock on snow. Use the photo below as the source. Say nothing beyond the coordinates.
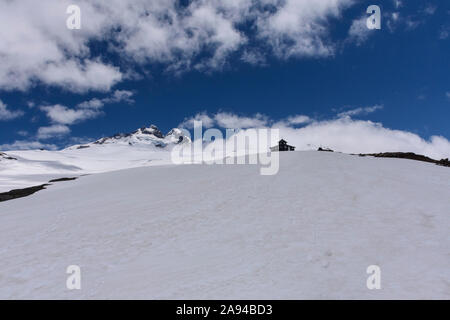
(20, 193)
(444, 162)
(408, 155)
(25, 192)
(325, 149)
(4, 156)
(63, 179)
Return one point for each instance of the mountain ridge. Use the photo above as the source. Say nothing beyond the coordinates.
(150, 136)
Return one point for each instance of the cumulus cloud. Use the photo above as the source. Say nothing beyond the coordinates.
(77, 77)
(253, 57)
(207, 121)
(299, 27)
(117, 96)
(6, 114)
(226, 120)
(121, 96)
(85, 110)
(63, 115)
(292, 121)
(38, 48)
(92, 104)
(358, 31)
(345, 134)
(298, 119)
(52, 131)
(27, 145)
(230, 120)
(358, 136)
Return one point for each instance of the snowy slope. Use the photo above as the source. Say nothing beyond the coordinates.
(219, 232)
(143, 147)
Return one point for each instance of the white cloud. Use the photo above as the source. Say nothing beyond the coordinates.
(27, 145)
(63, 115)
(77, 77)
(253, 57)
(234, 121)
(52, 131)
(6, 114)
(207, 121)
(79, 140)
(117, 96)
(447, 94)
(292, 121)
(360, 111)
(348, 135)
(299, 119)
(358, 136)
(92, 104)
(37, 47)
(230, 120)
(392, 19)
(121, 96)
(358, 31)
(299, 27)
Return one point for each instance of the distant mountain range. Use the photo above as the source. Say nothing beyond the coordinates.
(150, 136)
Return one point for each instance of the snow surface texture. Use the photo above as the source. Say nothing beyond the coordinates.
(226, 232)
(144, 147)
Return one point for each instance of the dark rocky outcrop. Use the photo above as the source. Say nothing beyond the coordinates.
(62, 179)
(152, 130)
(20, 193)
(443, 162)
(6, 157)
(407, 155)
(325, 149)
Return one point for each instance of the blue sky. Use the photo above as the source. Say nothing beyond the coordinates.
(323, 64)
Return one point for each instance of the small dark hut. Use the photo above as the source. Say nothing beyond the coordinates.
(282, 146)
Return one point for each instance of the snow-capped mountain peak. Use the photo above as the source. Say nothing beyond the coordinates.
(177, 136)
(152, 130)
(145, 136)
